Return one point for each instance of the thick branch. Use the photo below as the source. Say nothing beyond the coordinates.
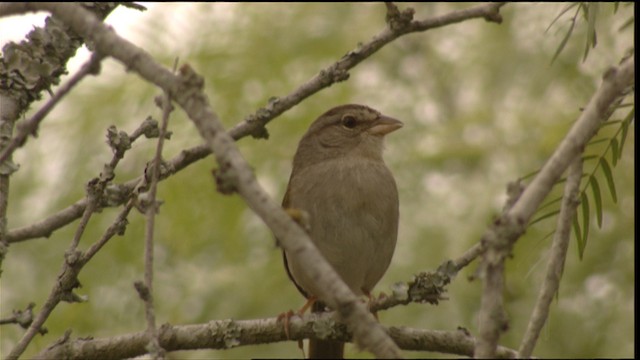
(224, 334)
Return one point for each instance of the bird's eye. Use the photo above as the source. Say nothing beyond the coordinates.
(349, 121)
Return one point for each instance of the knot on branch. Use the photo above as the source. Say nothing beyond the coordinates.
(226, 179)
(24, 127)
(339, 75)
(164, 170)
(116, 194)
(428, 287)
(118, 141)
(514, 190)
(161, 102)
(258, 130)
(144, 203)
(334, 75)
(493, 13)
(149, 128)
(190, 78)
(398, 19)
(143, 291)
(262, 116)
(24, 318)
(499, 240)
(95, 187)
(72, 258)
(8, 167)
(68, 279)
(121, 226)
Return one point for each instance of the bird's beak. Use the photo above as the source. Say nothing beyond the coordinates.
(384, 125)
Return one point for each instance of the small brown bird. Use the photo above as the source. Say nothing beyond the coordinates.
(340, 181)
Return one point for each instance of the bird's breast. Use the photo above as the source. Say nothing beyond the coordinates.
(353, 213)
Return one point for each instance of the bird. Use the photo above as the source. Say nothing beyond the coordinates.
(349, 197)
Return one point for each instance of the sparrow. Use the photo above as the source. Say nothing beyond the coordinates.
(350, 200)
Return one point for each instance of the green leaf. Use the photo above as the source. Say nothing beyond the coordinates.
(606, 169)
(564, 11)
(564, 41)
(591, 12)
(549, 203)
(548, 235)
(615, 151)
(610, 123)
(545, 216)
(531, 174)
(627, 23)
(589, 157)
(597, 198)
(598, 141)
(585, 223)
(578, 234)
(625, 128)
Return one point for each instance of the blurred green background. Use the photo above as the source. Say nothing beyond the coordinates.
(482, 106)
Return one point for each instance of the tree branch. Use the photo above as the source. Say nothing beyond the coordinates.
(556, 260)
(145, 289)
(505, 231)
(187, 90)
(67, 281)
(254, 124)
(225, 334)
(338, 71)
(23, 78)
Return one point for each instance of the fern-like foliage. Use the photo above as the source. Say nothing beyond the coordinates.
(601, 165)
(588, 12)
(601, 160)
(601, 155)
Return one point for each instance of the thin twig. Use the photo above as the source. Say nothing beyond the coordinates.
(24, 318)
(84, 221)
(25, 88)
(338, 71)
(146, 291)
(116, 194)
(30, 127)
(471, 254)
(67, 281)
(556, 261)
(74, 259)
